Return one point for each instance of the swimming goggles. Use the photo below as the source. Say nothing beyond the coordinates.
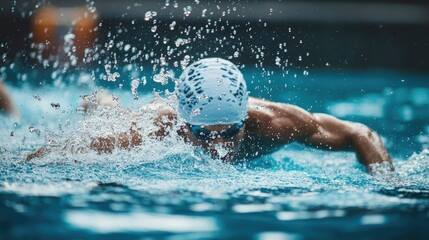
(206, 135)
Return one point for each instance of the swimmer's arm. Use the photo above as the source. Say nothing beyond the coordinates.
(164, 122)
(327, 132)
(290, 123)
(125, 140)
(99, 144)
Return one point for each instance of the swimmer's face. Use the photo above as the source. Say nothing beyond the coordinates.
(212, 138)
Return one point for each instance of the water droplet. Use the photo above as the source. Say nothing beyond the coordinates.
(33, 129)
(55, 105)
(68, 38)
(148, 16)
(38, 98)
(153, 29)
(108, 68)
(163, 76)
(172, 25)
(185, 61)
(187, 10)
(278, 60)
(110, 76)
(134, 85)
(196, 112)
(80, 110)
(221, 150)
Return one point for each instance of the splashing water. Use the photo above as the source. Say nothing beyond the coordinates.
(290, 185)
(111, 77)
(134, 85)
(177, 186)
(163, 76)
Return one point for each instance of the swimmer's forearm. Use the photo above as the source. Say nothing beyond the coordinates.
(99, 144)
(334, 134)
(370, 149)
(123, 141)
(36, 154)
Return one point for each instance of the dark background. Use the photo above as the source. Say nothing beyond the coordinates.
(338, 35)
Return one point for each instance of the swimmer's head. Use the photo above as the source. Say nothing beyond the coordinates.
(212, 91)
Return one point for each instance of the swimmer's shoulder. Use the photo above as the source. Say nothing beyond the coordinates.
(267, 111)
(273, 121)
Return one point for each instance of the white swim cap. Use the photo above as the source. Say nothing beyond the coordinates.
(212, 91)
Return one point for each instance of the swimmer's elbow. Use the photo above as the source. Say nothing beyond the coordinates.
(361, 131)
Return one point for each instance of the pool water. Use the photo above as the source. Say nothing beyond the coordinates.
(166, 189)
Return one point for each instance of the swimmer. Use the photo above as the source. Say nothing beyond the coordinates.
(6, 104)
(214, 103)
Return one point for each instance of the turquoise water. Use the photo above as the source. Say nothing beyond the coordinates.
(167, 189)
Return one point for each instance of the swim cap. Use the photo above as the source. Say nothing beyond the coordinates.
(212, 91)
